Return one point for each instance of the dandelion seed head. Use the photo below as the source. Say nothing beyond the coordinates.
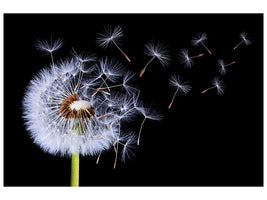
(62, 116)
(159, 50)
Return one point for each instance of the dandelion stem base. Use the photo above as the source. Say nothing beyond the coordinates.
(74, 170)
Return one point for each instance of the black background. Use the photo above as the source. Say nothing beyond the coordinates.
(203, 140)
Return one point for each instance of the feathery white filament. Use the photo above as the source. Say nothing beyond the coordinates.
(200, 39)
(218, 83)
(159, 50)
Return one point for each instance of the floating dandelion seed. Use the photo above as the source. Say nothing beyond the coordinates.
(129, 145)
(218, 84)
(182, 88)
(156, 50)
(201, 39)
(63, 117)
(186, 59)
(244, 40)
(223, 66)
(49, 46)
(111, 35)
(148, 113)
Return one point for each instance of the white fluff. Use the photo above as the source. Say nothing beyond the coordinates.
(219, 84)
(181, 87)
(54, 133)
(243, 36)
(199, 38)
(185, 59)
(49, 46)
(222, 66)
(110, 35)
(159, 50)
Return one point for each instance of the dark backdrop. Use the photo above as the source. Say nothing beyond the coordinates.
(204, 140)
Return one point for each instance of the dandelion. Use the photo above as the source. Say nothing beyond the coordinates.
(217, 84)
(186, 59)
(111, 35)
(148, 113)
(64, 118)
(244, 40)
(156, 50)
(49, 46)
(223, 66)
(200, 39)
(182, 88)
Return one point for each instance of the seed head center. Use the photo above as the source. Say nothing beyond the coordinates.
(72, 107)
(80, 105)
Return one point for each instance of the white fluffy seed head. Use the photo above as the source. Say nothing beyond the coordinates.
(84, 133)
(66, 112)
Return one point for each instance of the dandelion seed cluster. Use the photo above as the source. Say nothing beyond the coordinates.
(79, 105)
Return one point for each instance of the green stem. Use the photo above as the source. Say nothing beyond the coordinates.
(74, 170)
